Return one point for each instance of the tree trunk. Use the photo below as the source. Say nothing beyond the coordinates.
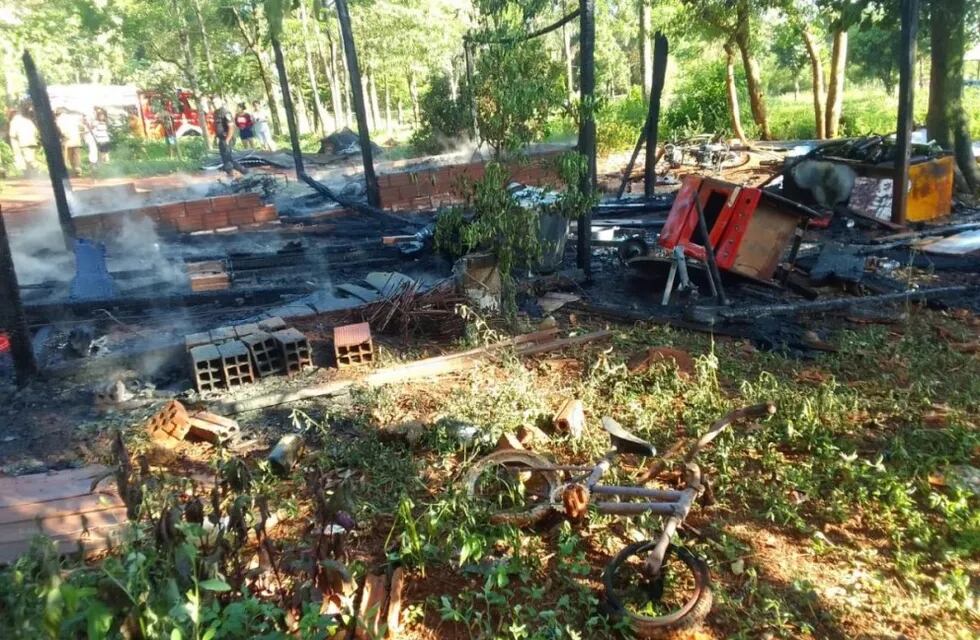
(321, 115)
(401, 113)
(302, 113)
(816, 72)
(347, 88)
(183, 34)
(731, 90)
(252, 42)
(366, 92)
(835, 91)
(336, 99)
(646, 51)
(937, 122)
(947, 121)
(413, 92)
(387, 86)
(586, 129)
(753, 78)
(373, 98)
(566, 42)
(206, 43)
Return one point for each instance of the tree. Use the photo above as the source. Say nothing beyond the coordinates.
(246, 15)
(947, 121)
(842, 15)
(734, 22)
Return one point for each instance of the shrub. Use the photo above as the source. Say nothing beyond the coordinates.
(445, 122)
(700, 104)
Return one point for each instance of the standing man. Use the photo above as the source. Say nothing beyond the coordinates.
(103, 137)
(224, 131)
(169, 133)
(24, 140)
(71, 125)
(263, 134)
(246, 126)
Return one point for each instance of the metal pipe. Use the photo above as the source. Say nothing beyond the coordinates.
(668, 495)
(717, 288)
(636, 508)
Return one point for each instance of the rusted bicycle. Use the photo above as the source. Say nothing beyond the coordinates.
(657, 587)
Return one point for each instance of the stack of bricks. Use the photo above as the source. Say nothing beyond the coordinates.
(434, 187)
(208, 275)
(205, 214)
(228, 357)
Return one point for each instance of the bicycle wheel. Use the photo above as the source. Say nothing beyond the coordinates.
(677, 601)
(734, 159)
(514, 487)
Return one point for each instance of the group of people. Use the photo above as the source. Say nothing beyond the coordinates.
(253, 127)
(250, 127)
(77, 132)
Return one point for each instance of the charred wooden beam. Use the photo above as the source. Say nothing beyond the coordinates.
(51, 141)
(586, 131)
(357, 94)
(660, 50)
(12, 316)
(906, 97)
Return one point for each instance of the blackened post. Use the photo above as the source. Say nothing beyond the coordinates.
(660, 50)
(906, 96)
(714, 275)
(357, 94)
(51, 141)
(287, 103)
(12, 313)
(586, 131)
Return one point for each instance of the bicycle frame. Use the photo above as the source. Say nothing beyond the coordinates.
(666, 502)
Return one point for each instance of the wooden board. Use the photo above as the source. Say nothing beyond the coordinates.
(62, 506)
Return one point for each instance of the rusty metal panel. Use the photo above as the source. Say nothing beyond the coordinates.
(931, 194)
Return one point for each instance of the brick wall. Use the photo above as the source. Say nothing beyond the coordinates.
(433, 187)
(183, 217)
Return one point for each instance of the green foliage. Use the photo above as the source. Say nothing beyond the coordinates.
(516, 87)
(6, 159)
(619, 122)
(700, 104)
(445, 122)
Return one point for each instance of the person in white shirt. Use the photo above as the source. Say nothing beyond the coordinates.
(100, 131)
(260, 119)
(24, 141)
(72, 127)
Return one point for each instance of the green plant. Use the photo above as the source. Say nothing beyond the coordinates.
(495, 223)
(700, 104)
(445, 121)
(517, 85)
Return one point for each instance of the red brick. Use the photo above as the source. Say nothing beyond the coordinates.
(216, 219)
(407, 193)
(401, 179)
(268, 213)
(249, 200)
(190, 223)
(241, 216)
(173, 211)
(224, 203)
(198, 206)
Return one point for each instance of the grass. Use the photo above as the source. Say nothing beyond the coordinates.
(839, 517)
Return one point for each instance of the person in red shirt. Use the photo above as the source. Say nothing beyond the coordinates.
(246, 126)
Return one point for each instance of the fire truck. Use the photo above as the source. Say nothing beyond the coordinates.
(121, 102)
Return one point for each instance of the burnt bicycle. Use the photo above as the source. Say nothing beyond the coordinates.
(657, 587)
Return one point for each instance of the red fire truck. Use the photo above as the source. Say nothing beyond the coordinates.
(187, 120)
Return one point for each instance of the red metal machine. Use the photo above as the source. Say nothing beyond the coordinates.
(748, 228)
